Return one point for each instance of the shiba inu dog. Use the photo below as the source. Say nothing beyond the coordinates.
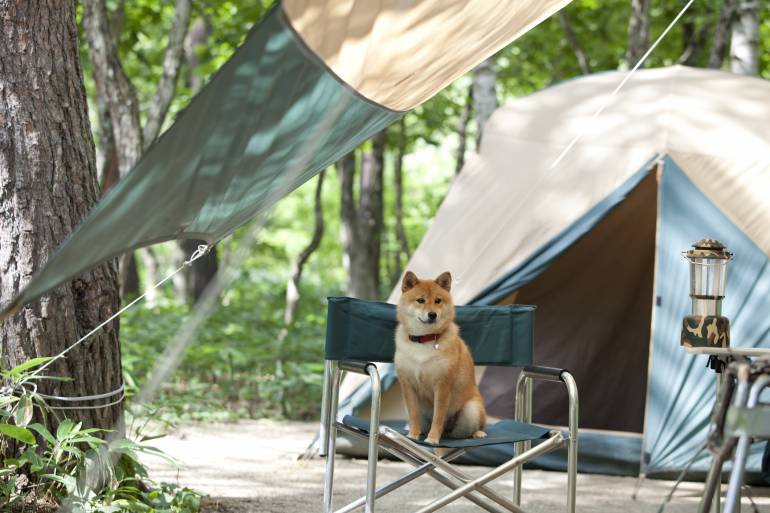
(434, 366)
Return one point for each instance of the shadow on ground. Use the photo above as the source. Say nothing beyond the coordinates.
(252, 467)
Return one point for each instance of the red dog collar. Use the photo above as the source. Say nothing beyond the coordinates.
(424, 338)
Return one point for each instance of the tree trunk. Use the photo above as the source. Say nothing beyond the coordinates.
(744, 44)
(721, 39)
(462, 131)
(190, 284)
(484, 95)
(361, 222)
(694, 38)
(112, 84)
(298, 265)
(116, 96)
(346, 168)
(574, 42)
(398, 185)
(638, 31)
(47, 186)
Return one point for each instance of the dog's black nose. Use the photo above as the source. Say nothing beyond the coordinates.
(432, 316)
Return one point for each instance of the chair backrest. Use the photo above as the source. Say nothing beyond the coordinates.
(365, 330)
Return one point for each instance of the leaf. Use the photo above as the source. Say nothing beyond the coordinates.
(42, 431)
(32, 362)
(21, 434)
(24, 410)
(64, 429)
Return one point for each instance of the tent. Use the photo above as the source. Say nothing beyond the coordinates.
(595, 242)
(311, 82)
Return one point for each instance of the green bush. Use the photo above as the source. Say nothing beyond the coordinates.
(73, 466)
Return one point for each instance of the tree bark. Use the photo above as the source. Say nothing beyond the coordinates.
(721, 40)
(574, 42)
(462, 131)
(693, 38)
(298, 265)
(112, 84)
(172, 62)
(484, 95)
(361, 221)
(744, 44)
(117, 97)
(47, 186)
(638, 31)
(398, 185)
(190, 284)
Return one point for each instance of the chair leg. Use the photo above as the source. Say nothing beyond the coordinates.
(323, 437)
(733, 499)
(425, 455)
(374, 429)
(331, 432)
(548, 445)
(572, 447)
(399, 452)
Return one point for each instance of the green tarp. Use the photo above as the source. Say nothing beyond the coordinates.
(271, 118)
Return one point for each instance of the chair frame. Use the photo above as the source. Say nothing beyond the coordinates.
(427, 462)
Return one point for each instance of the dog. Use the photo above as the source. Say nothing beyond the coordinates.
(434, 365)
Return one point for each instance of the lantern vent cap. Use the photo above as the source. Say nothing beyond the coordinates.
(709, 248)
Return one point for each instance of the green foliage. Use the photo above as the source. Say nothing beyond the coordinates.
(83, 469)
(236, 366)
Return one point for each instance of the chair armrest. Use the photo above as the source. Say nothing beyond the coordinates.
(356, 366)
(543, 373)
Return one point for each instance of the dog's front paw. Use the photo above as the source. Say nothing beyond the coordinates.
(433, 440)
(414, 435)
(479, 434)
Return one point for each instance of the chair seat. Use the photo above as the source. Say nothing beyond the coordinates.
(502, 432)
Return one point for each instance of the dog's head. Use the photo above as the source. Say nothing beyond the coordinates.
(425, 306)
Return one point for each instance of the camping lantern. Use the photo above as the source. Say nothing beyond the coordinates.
(705, 326)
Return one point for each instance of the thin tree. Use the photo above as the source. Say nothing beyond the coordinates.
(402, 251)
(48, 183)
(192, 282)
(638, 31)
(574, 42)
(744, 44)
(462, 130)
(117, 99)
(361, 219)
(298, 264)
(484, 95)
(721, 40)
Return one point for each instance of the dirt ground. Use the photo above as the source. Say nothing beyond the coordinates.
(252, 466)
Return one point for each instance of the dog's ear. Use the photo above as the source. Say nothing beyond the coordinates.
(444, 281)
(409, 281)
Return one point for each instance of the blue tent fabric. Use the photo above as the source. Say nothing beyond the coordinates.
(680, 387)
(613, 454)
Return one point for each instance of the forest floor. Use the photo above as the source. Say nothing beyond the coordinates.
(252, 466)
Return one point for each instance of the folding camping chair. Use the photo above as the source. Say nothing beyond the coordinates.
(360, 332)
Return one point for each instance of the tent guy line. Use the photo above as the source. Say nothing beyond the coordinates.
(595, 115)
(617, 89)
(202, 250)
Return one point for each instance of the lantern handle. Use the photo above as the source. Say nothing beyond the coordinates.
(730, 256)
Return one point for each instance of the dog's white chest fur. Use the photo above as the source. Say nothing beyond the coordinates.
(418, 362)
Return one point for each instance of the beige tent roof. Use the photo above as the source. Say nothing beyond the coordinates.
(508, 201)
(349, 37)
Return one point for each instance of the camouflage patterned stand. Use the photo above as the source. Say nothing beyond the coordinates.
(705, 331)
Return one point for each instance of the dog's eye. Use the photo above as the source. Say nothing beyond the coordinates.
(438, 300)
(420, 300)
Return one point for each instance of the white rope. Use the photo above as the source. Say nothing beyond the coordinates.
(202, 250)
(80, 398)
(96, 407)
(620, 85)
